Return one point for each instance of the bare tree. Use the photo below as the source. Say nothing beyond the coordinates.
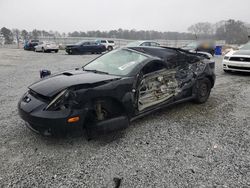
(233, 32)
(7, 34)
(202, 28)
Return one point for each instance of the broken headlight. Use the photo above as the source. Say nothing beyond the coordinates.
(62, 101)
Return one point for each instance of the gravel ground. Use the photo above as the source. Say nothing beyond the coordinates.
(187, 145)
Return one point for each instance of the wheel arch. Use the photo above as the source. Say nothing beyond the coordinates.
(211, 79)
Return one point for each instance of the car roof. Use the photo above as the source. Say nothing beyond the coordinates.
(139, 42)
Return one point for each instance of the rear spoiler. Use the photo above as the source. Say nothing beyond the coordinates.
(187, 52)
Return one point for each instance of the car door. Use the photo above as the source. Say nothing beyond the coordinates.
(156, 84)
(84, 47)
(184, 73)
(93, 47)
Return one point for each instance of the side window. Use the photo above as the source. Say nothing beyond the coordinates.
(153, 67)
(145, 44)
(103, 41)
(86, 43)
(154, 44)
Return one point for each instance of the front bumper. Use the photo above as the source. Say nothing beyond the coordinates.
(236, 66)
(43, 122)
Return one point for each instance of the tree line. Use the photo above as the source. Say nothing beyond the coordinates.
(232, 31)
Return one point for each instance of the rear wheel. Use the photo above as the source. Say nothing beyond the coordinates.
(203, 90)
(110, 48)
(56, 51)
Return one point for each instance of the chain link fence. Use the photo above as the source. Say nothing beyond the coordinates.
(62, 41)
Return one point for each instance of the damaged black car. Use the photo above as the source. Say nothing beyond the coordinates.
(116, 88)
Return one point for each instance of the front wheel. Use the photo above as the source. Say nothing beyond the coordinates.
(203, 90)
(56, 51)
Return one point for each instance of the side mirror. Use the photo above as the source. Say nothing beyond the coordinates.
(44, 73)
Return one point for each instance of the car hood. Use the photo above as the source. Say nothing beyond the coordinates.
(51, 85)
(238, 53)
(242, 52)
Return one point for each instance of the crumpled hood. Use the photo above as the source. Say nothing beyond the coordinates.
(53, 84)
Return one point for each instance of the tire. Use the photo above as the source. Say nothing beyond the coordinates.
(110, 48)
(43, 50)
(203, 90)
(56, 51)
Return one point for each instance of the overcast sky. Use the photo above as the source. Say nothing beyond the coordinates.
(84, 15)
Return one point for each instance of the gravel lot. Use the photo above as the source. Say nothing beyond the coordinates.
(188, 145)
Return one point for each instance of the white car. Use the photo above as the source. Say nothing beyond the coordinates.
(47, 46)
(238, 60)
(109, 44)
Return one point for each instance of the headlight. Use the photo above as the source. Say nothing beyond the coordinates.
(61, 101)
(226, 57)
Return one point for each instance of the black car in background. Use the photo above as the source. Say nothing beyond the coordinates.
(85, 47)
(30, 45)
(116, 88)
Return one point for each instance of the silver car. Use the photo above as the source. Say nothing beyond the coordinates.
(47, 46)
(143, 43)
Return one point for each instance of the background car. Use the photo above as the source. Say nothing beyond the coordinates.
(237, 60)
(30, 45)
(47, 46)
(143, 43)
(85, 47)
(109, 44)
(201, 46)
(116, 88)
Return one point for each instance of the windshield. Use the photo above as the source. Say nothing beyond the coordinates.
(117, 62)
(246, 47)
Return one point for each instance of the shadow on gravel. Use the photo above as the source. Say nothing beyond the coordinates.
(235, 73)
(80, 136)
